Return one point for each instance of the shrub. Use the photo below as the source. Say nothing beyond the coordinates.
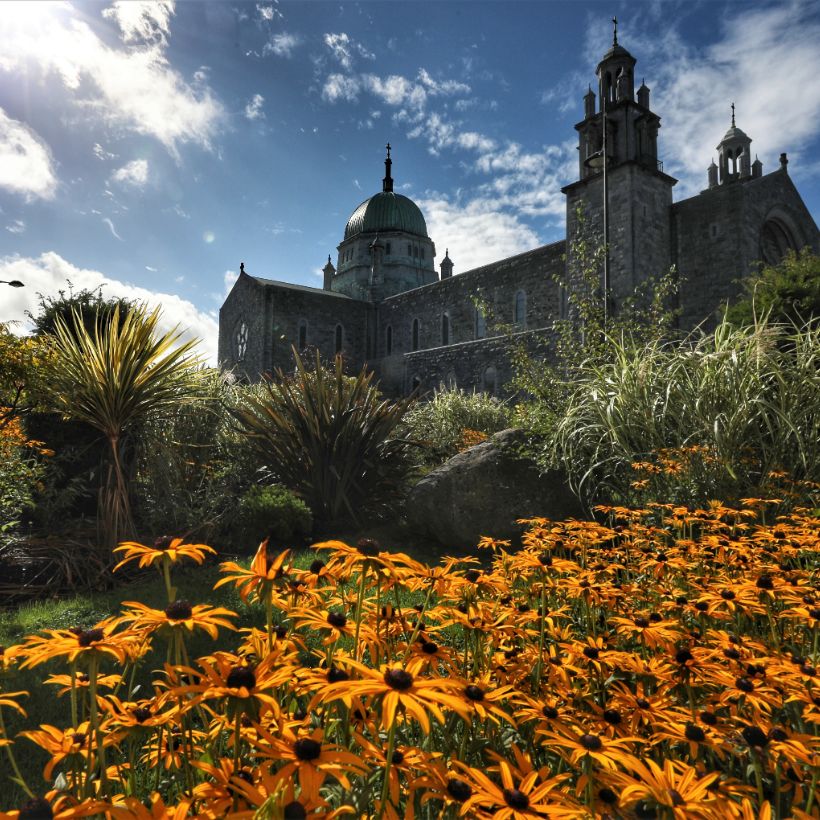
(272, 512)
(450, 420)
(330, 438)
(735, 406)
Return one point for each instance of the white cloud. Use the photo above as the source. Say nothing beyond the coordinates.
(148, 267)
(135, 87)
(101, 154)
(133, 173)
(456, 226)
(142, 21)
(253, 109)
(18, 226)
(111, 227)
(282, 44)
(48, 273)
(267, 13)
(442, 87)
(344, 49)
(340, 87)
(25, 160)
(228, 280)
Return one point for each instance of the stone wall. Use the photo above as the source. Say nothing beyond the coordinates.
(716, 239)
(495, 286)
(639, 229)
(273, 312)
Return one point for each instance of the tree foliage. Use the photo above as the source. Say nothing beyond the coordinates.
(787, 292)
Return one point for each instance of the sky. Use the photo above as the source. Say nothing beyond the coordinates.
(150, 147)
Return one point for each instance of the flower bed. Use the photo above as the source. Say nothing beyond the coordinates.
(660, 665)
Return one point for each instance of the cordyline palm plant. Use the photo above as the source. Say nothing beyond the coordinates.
(330, 438)
(110, 377)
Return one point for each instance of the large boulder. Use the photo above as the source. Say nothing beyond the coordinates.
(483, 490)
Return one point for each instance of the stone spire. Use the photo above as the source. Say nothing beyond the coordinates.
(329, 271)
(446, 265)
(387, 182)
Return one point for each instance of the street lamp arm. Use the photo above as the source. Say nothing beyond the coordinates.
(14, 283)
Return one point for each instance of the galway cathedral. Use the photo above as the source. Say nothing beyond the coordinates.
(383, 303)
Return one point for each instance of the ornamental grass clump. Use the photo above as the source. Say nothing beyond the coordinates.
(662, 662)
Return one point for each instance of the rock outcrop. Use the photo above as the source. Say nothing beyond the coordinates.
(483, 490)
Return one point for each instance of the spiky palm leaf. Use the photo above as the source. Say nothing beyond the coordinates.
(111, 377)
(329, 437)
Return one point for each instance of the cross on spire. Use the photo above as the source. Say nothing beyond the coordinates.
(387, 182)
(614, 31)
(733, 115)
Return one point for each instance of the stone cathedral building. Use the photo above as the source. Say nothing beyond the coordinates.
(384, 303)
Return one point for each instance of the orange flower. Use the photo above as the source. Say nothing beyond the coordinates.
(165, 549)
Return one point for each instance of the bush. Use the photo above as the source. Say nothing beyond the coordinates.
(329, 438)
(274, 513)
(724, 411)
(451, 420)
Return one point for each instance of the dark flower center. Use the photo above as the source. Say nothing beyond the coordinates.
(545, 559)
(709, 718)
(163, 542)
(754, 736)
(677, 797)
(429, 648)
(474, 692)
(317, 566)
(398, 679)
(765, 582)
(295, 811)
(591, 652)
(655, 617)
(642, 703)
(397, 757)
(90, 636)
(592, 743)
(307, 748)
(36, 809)
(472, 575)
(516, 799)
(694, 733)
(612, 716)
(179, 611)
(731, 653)
(369, 547)
(745, 685)
(241, 676)
(78, 738)
(683, 655)
(607, 796)
(641, 622)
(141, 714)
(727, 595)
(281, 631)
(778, 734)
(549, 712)
(336, 619)
(458, 789)
(701, 606)
(336, 675)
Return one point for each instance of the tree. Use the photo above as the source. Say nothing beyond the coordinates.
(111, 376)
(89, 304)
(788, 292)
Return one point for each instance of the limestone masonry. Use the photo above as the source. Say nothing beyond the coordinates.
(384, 304)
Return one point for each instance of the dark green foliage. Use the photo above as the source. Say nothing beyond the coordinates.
(788, 292)
(274, 513)
(89, 304)
(330, 438)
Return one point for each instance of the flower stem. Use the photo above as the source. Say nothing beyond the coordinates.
(391, 741)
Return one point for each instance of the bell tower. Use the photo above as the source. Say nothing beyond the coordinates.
(621, 200)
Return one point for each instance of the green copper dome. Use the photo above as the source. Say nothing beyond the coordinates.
(386, 211)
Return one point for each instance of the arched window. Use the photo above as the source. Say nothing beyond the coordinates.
(302, 334)
(520, 312)
(409, 249)
(339, 338)
(415, 334)
(480, 324)
(389, 339)
(241, 341)
(387, 249)
(445, 329)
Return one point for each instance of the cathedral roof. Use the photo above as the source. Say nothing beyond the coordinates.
(386, 211)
